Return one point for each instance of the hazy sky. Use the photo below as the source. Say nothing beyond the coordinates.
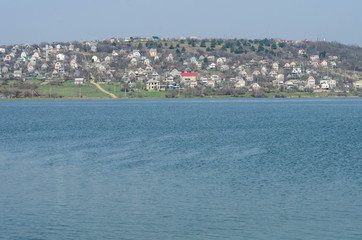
(35, 21)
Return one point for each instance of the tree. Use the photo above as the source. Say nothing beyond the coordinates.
(203, 44)
(322, 54)
(213, 43)
(281, 44)
(139, 46)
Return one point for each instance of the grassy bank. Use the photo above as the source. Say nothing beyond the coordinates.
(67, 90)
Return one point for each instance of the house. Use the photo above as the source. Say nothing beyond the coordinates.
(314, 58)
(79, 81)
(211, 58)
(18, 74)
(358, 84)
(2, 50)
(325, 86)
(212, 66)
(60, 57)
(310, 82)
(275, 66)
(175, 73)
(55, 73)
(210, 83)
(315, 64)
(224, 68)
(147, 62)
(136, 54)
(23, 56)
(7, 58)
(149, 69)
(153, 52)
(216, 79)
(169, 58)
(4, 70)
(240, 83)
(73, 64)
(204, 80)
(193, 60)
(243, 73)
(249, 78)
(114, 40)
(155, 76)
(256, 73)
(108, 59)
(220, 61)
(255, 86)
(301, 52)
(331, 83)
(30, 68)
(273, 74)
(44, 66)
(153, 85)
(193, 84)
(332, 58)
(170, 80)
(134, 62)
(93, 48)
(323, 63)
(114, 53)
(264, 71)
(289, 83)
(36, 55)
(185, 77)
(58, 65)
(101, 68)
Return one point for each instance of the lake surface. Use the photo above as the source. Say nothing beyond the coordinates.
(181, 169)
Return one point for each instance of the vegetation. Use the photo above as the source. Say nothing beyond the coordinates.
(27, 72)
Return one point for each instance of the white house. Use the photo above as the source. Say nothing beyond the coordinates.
(79, 81)
(153, 85)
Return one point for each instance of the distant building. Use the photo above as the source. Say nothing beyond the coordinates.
(153, 85)
(188, 77)
(79, 81)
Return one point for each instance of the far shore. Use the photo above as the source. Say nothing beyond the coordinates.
(148, 98)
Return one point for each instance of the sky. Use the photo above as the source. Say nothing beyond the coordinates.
(36, 21)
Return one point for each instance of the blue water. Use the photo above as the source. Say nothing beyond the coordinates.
(181, 169)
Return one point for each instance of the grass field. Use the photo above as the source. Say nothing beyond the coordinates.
(69, 90)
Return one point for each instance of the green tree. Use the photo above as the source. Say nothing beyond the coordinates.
(213, 43)
(203, 44)
(139, 46)
(281, 44)
(322, 54)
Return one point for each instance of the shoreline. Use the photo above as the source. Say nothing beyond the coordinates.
(148, 98)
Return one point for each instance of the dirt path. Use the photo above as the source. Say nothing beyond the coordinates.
(100, 88)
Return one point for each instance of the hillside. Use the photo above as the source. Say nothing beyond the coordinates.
(185, 67)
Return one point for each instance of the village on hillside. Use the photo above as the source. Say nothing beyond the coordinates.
(191, 66)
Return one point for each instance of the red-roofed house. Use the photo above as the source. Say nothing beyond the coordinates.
(188, 77)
